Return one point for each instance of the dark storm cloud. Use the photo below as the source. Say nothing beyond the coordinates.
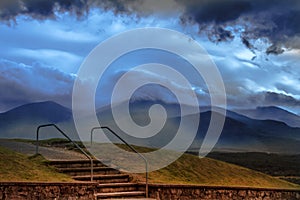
(217, 11)
(246, 42)
(39, 9)
(273, 49)
(118, 6)
(276, 20)
(219, 34)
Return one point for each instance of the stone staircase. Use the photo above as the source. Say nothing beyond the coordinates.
(112, 183)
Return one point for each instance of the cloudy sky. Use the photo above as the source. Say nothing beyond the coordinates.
(254, 43)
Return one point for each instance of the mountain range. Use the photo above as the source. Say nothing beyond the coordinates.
(272, 113)
(244, 130)
(22, 121)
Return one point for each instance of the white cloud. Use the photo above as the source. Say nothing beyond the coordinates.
(21, 84)
(58, 59)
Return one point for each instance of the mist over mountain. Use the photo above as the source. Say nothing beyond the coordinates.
(272, 113)
(240, 133)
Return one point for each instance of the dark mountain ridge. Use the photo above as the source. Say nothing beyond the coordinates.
(272, 113)
(48, 111)
(240, 133)
(22, 121)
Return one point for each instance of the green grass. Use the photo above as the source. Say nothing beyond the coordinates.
(18, 167)
(188, 169)
(191, 169)
(285, 166)
(269, 163)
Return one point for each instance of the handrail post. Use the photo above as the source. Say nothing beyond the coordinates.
(37, 141)
(133, 149)
(66, 136)
(147, 186)
(91, 138)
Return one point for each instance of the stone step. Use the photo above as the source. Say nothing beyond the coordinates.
(78, 171)
(141, 198)
(131, 194)
(117, 187)
(111, 178)
(75, 163)
(112, 183)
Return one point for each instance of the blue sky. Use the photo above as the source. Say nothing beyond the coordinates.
(255, 45)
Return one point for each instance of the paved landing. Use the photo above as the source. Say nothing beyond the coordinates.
(50, 153)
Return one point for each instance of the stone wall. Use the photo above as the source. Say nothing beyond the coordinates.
(188, 192)
(45, 191)
(86, 191)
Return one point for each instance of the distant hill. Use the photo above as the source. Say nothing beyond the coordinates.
(272, 113)
(42, 111)
(240, 133)
(21, 122)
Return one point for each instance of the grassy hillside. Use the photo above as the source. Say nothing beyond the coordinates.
(190, 169)
(279, 165)
(18, 167)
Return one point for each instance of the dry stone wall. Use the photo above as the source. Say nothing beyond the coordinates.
(86, 191)
(47, 191)
(194, 192)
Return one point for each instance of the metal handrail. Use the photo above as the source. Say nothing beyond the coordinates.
(133, 149)
(77, 146)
